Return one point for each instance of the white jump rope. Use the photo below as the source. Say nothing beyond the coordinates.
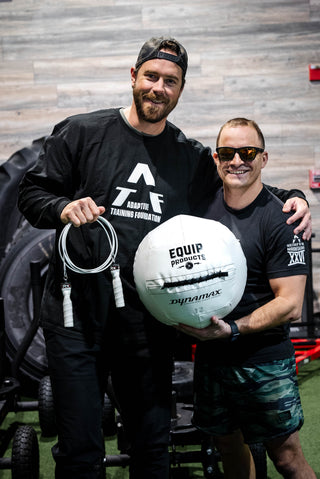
(108, 263)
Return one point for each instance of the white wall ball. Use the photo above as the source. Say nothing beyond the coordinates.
(188, 269)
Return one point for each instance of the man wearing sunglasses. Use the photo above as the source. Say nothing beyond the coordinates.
(245, 382)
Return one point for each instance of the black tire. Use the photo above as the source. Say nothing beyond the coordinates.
(15, 286)
(47, 416)
(11, 173)
(3, 362)
(109, 424)
(25, 454)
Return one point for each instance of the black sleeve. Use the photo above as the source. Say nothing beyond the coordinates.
(284, 195)
(48, 186)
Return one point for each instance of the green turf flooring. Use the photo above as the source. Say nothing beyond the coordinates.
(309, 383)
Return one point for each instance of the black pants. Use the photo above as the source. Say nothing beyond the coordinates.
(142, 386)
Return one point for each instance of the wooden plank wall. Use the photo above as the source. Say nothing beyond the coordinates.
(247, 58)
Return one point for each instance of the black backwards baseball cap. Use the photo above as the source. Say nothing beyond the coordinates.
(151, 49)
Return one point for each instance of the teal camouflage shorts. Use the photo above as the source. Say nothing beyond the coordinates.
(263, 401)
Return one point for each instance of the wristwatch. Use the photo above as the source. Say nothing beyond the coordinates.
(235, 333)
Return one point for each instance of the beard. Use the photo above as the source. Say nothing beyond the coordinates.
(152, 113)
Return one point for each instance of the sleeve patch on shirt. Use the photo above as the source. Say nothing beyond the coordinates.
(296, 251)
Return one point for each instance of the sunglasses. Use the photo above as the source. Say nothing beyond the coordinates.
(246, 153)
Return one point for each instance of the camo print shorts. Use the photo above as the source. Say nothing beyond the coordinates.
(263, 401)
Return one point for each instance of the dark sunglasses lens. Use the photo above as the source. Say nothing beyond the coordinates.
(226, 154)
(247, 154)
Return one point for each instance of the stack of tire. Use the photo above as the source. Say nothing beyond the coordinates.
(21, 244)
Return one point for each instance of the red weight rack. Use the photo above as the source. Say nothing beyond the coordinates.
(306, 350)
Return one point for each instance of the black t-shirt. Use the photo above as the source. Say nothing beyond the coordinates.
(272, 251)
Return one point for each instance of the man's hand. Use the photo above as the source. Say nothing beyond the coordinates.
(82, 211)
(299, 205)
(218, 329)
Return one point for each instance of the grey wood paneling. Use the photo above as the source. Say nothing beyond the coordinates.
(247, 58)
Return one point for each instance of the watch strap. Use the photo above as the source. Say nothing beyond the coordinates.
(235, 333)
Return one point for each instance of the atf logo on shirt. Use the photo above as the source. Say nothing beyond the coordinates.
(126, 205)
(296, 251)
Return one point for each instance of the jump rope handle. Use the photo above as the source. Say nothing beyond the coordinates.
(117, 285)
(67, 305)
